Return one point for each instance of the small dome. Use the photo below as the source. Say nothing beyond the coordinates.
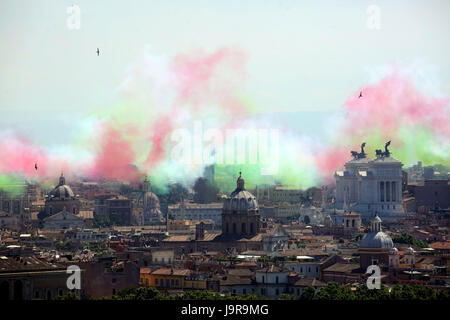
(328, 218)
(376, 219)
(409, 250)
(394, 251)
(376, 240)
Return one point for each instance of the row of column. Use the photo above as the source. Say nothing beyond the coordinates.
(388, 191)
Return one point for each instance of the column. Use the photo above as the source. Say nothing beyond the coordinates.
(394, 191)
(382, 191)
(388, 191)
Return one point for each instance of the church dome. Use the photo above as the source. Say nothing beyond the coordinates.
(241, 200)
(376, 240)
(62, 190)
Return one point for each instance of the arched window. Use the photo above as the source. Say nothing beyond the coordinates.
(234, 227)
(251, 228)
(227, 228)
(244, 228)
(276, 279)
(353, 223)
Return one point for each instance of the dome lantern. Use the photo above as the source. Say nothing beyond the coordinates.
(240, 183)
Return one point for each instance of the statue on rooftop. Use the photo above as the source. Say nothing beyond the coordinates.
(386, 153)
(360, 155)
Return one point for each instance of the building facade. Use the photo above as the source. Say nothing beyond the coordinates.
(371, 186)
(240, 215)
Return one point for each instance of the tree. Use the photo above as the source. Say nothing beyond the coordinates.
(286, 296)
(69, 296)
(406, 238)
(139, 293)
(308, 293)
(334, 292)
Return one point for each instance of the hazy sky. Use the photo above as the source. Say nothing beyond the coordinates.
(302, 55)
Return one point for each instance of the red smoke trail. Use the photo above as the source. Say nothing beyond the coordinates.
(19, 155)
(385, 108)
(161, 129)
(115, 157)
(210, 78)
(392, 103)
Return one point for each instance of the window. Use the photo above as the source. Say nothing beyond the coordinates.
(172, 282)
(277, 291)
(276, 279)
(244, 291)
(146, 282)
(177, 282)
(156, 281)
(263, 279)
(113, 280)
(113, 291)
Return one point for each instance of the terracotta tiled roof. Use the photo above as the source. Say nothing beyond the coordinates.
(169, 271)
(17, 264)
(233, 280)
(344, 267)
(441, 245)
(309, 282)
(240, 272)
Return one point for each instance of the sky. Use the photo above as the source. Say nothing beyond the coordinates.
(301, 62)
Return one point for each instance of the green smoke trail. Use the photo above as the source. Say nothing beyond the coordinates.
(12, 185)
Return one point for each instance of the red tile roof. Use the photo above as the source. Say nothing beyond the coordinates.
(174, 272)
(441, 245)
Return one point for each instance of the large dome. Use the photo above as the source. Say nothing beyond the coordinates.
(241, 200)
(376, 240)
(62, 190)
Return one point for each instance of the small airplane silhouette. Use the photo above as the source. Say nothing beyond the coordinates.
(36, 166)
(98, 52)
(360, 94)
